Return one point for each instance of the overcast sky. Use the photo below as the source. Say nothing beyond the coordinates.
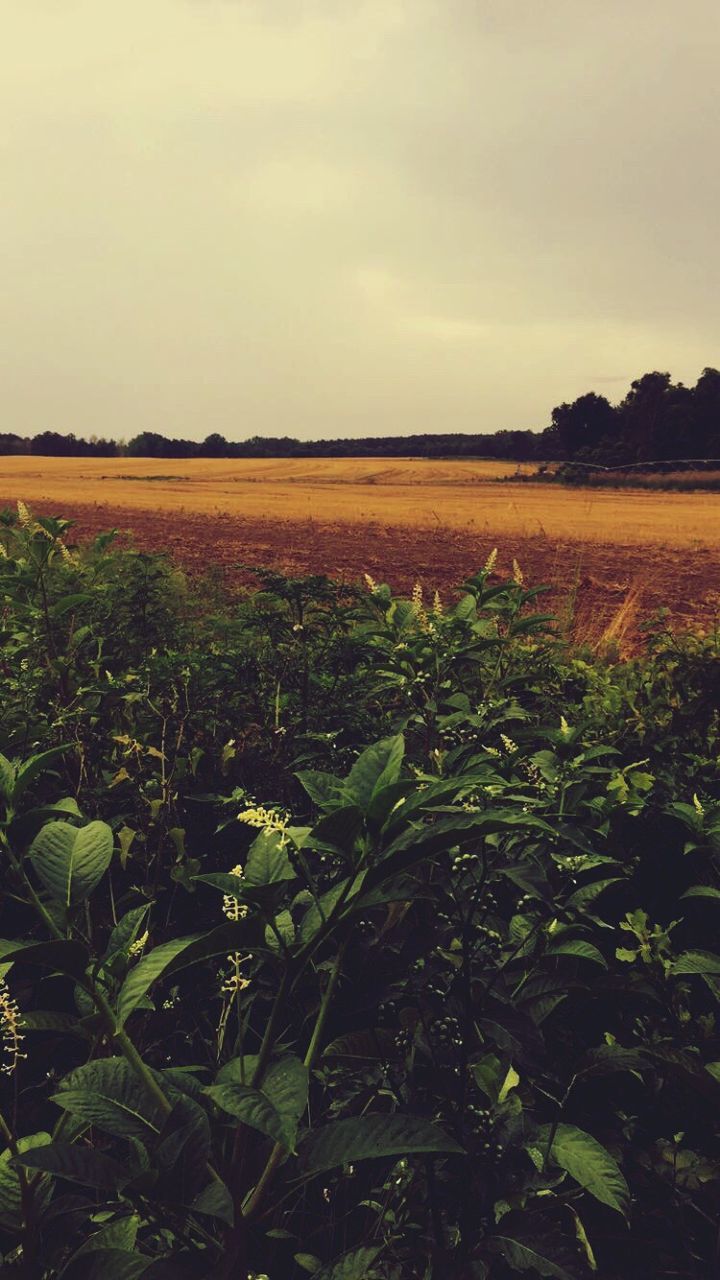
(342, 217)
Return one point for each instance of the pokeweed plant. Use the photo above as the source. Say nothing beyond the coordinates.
(443, 1005)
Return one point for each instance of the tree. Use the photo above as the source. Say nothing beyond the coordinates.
(214, 446)
(584, 424)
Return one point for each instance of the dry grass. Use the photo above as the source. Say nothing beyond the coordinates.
(400, 492)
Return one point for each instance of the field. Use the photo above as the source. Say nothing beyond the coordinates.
(613, 558)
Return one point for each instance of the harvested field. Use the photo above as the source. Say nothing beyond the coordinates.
(466, 495)
(613, 559)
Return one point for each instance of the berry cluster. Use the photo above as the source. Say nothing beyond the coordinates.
(488, 939)
(446, 1031)
(481, 1128)
(463, 862)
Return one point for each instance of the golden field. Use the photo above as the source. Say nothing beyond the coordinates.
(461, 495)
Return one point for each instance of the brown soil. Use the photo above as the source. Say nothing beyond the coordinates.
(595, 586)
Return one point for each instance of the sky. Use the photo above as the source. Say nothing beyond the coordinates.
(351, 217)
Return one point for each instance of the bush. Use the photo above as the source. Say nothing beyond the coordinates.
(348, 935)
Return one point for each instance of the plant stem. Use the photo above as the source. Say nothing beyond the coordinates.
(253, 1201)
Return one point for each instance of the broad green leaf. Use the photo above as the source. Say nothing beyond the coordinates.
(701, 891)
(324, 909)
(107, 1094)
(511, 1081)
(48, 1020)
(355, 1265)
(10, 1198)
(607, 1059)
(363, 1046)
(275, 1108)
(701, 962)
(71, 861)
(488, 1075)
(171, 957)
(35, 765)
(64, 957)
(77, 1163)
(151, 967)
(322, 788)
(375, 768)
(522, 1256)
(69, 602)
(120, 1234)
(215, 1201)
(267, 861)
(126, 930)
(587, 893)
(587, 1161)
(308, 1262)
(370, 1137)
(182, 1152)
(579, 948)
(106, 1264)
(7, 778)
(338, 829)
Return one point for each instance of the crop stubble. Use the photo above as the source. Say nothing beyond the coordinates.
(399, 519)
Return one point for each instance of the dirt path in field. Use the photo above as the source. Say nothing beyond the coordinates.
(595, 586)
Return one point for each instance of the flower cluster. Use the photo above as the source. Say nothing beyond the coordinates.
(263, 819)
(12, 1037)
(233, 909)
(418, 607)
(235, 982)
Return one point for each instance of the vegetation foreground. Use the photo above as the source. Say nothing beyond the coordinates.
(349, 936)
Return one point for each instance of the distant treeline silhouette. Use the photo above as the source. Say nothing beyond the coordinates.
(658, 420)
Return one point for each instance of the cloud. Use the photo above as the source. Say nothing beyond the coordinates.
(324, 217)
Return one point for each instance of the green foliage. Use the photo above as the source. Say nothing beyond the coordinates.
(348, 935)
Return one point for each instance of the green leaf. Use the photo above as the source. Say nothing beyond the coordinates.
(69, 602)
(106, 1264)
(587, 1161)
(120, 1234)
(10, 1198)
(376, 767)
(215, 1201)
(70, 958)
(107, 1094)
(171, 957)
(351, 1266)
(523, 1256)
(577, 947)
(701, 891)
(320, 912)
(702, 962)
(322, 788)
(35, 765)
(268, 862)
(308, 1262)
(71, 861)
(275, 1108)
(126, 931)
(151, 967)
(370, 1137)
(608, 1059)
(7, 778)
(77, 1163)
(511, 1081)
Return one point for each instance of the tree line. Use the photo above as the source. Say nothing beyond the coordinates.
(658, 420)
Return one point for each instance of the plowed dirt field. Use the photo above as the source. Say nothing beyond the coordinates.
(612, 558)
